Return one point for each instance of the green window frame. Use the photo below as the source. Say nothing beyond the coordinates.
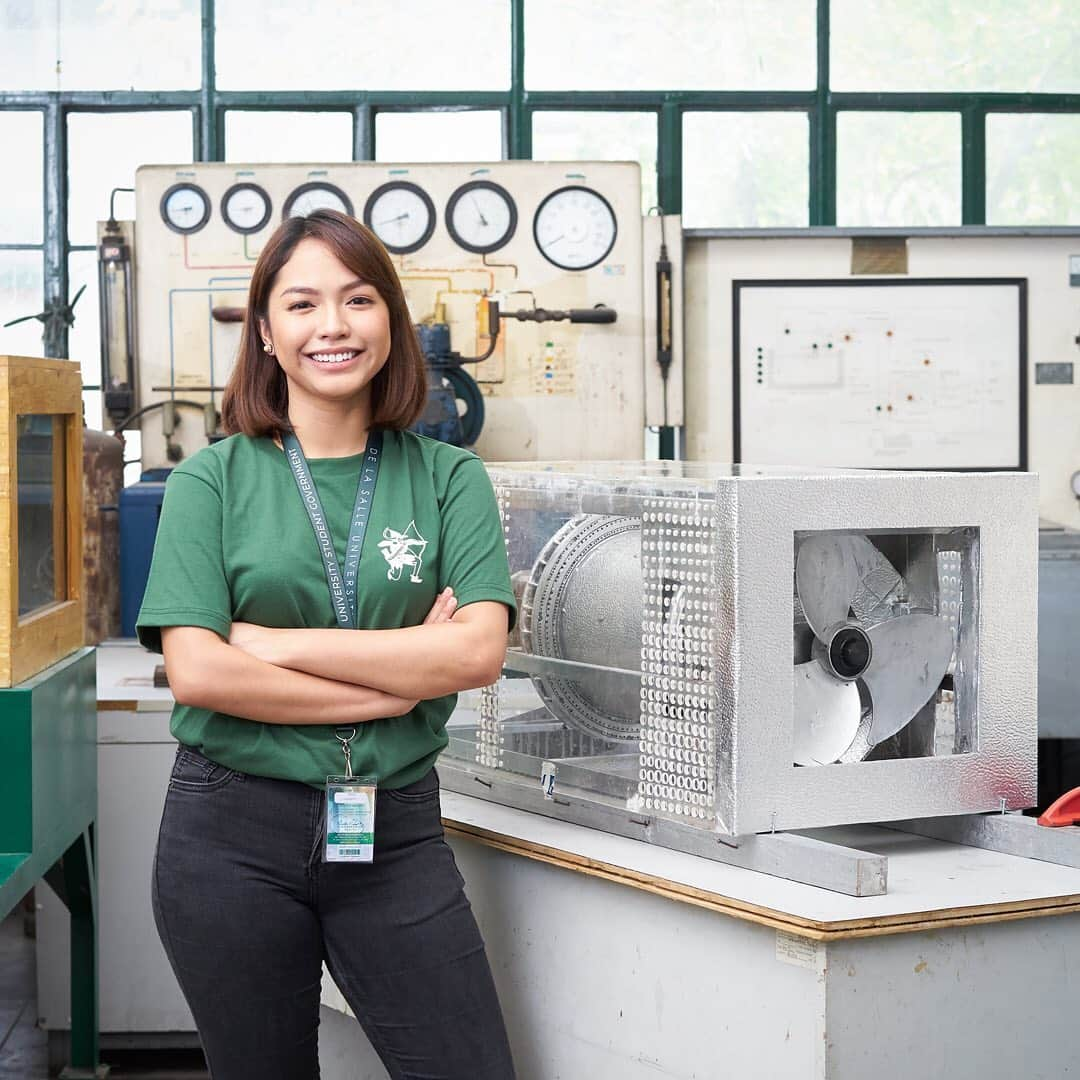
(208, 106)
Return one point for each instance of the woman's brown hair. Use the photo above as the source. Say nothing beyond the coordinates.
(256, 400)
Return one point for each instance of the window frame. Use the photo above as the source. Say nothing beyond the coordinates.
(517, 104)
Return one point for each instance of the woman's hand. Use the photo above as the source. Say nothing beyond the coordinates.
(443, 608)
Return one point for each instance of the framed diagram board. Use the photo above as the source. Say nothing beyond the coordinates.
(918, 373)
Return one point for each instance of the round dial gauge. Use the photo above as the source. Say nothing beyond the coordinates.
(317, 195)
(575, 228)
(185, 208)
(481, 216)
(401, 215)
(1075, 481)
(245, 208)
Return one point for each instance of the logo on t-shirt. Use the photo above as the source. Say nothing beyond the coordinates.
(401, 549)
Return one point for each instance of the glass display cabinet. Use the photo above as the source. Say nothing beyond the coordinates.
(41, 607)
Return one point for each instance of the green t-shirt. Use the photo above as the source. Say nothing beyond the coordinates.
(235, 543)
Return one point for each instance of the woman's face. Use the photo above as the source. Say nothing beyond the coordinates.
(330, 331)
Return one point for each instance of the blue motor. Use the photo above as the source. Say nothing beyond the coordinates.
(455, 407)
(140, 509)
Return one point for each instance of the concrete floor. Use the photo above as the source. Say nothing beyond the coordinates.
(23, 1047)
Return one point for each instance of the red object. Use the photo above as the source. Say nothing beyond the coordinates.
(1065, 811)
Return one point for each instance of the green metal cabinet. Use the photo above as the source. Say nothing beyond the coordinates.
(48, 804)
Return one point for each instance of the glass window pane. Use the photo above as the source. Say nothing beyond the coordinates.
(439, 136)
(962, 45)
(105, 149)
(84, 340)
(1033, 169)
(70, 45)
(22, 292)
(746, 169)
(898, 169)
(599, 136)
(42, 511)
(680, 45)
(252, 137)
(421, 45)
(21, 213)
(92, 409)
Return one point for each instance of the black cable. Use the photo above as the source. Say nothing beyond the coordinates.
(112, 198)
(148, 408)
(660, 213)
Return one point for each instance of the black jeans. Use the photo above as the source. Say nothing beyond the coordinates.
(248, 912)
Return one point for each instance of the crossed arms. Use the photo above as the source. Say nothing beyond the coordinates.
(336, 676)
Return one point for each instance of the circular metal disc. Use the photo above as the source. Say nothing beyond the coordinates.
(583, 603)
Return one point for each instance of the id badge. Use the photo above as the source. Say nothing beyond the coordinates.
(350, 819)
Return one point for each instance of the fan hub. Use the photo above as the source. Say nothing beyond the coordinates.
(847, 652)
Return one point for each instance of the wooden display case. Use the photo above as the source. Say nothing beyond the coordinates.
(41, 603)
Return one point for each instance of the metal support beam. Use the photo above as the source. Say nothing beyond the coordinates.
(80, 886)
(363, 133)
(209, 148)
(973, 165)
(520, 142)
(785, 855)
(55, 336)
(669, 158)
(1011, 834)
(822, 132)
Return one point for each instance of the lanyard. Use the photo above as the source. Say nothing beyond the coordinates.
(342, 583)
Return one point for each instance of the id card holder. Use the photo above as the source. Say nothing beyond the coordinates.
(350, 819)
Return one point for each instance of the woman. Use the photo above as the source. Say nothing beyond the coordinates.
(278, 689)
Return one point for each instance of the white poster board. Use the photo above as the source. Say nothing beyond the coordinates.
(904, 374)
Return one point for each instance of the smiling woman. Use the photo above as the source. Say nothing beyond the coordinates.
(297, 653)
(324, 282)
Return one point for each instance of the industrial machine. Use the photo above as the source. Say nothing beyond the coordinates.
(710, 652)
(531, 285)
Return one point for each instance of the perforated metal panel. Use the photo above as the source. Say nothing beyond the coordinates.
(679, 637)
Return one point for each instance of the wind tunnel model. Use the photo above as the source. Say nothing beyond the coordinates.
(709, 651)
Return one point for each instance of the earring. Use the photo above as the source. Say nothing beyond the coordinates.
(268, 348)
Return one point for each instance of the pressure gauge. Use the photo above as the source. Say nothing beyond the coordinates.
(575, 228)
(1075, 481)
(317, 195)
(185, 208)
(245, 208)
(401, 215)
(481, 216)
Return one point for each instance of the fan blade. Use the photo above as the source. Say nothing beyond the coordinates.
(911, 656)
(826, 575)
(879, 583)
(826, 714)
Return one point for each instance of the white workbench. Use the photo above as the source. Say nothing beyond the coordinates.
(616, 960)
